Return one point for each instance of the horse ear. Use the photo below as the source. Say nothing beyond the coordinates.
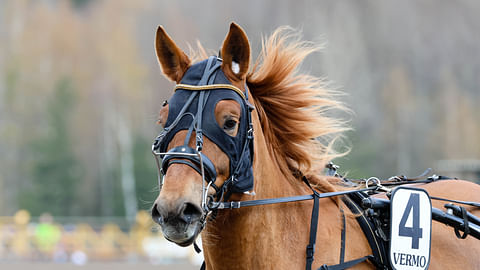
(172, 59)
(235, 53)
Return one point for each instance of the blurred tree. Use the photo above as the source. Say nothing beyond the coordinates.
(145, 173)
(457, 120)
(362, 160)
(397, 122)
(80, 3)
(55, 170)
(386, 55)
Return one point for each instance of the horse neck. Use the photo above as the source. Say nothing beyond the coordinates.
(247, 235)
(261, 237)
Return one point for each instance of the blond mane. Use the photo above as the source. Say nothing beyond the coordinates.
(293, 107)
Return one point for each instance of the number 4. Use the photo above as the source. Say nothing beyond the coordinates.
(415, 232)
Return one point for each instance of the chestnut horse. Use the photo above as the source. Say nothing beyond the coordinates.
(217, 159)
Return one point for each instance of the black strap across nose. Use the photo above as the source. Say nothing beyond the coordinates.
(191, 108)
(174, 156)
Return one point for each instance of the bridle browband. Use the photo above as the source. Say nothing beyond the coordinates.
(199, 95)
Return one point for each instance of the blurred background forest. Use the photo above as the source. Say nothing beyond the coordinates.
(80, 89)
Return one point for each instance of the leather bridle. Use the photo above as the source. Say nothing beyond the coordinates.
(198, 95)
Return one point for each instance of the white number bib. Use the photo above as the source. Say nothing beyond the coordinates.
(410, 228)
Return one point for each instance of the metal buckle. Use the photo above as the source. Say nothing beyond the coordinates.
(160, 173)
(377, 183)
(332, 169)
(235, 205)
(250, 133)
(310, 251)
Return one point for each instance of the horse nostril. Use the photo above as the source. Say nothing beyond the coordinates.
(191, 212)
(187, 213)
(156, 215)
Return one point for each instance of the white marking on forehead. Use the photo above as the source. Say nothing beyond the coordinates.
(235, 67)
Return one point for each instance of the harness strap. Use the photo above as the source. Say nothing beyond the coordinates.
(209, 70)
(345, 265)
(198, 126)
(455, 222)
(189, 132)
(238, 204)
(313, 233)
(475, 204)
(342, 237)
(457, 211)
(181, 114)
(313, 226)
(187, 153)
(466, 229)
(378, 249)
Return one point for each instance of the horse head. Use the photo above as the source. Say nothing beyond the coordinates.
(205, 149)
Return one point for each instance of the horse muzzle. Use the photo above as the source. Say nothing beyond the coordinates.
(181, 223)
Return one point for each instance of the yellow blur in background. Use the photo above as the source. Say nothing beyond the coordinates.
(21, 239)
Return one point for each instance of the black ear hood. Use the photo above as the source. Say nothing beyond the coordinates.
(192, 108)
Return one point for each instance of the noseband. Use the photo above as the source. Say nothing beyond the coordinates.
(191, 108)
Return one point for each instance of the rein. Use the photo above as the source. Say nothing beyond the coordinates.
(239, 204)
(376, 185)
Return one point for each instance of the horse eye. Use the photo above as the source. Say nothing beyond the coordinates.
(229, 124)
